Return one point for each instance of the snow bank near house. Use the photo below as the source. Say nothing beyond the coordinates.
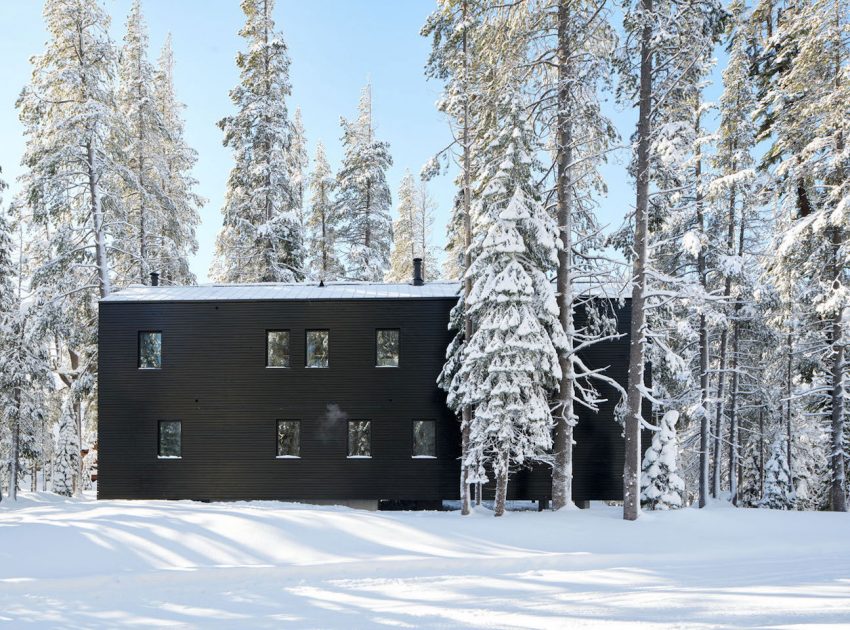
(109, 563)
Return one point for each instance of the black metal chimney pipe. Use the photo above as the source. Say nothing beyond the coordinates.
(418, 281)
(154, 279)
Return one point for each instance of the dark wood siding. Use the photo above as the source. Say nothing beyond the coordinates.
(214, 380)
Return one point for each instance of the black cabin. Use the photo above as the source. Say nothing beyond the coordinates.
(303, 392)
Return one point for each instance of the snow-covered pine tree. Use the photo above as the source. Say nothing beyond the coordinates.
(24, 369)
(749, 493)
(138, 242)
(661, 485)
(423, 229)
(808, 122)
(810, 466)
(660, 78)
(456, 59)
(71, 186)
(66, 464)
(69, 117)
(778, 494)
(404, 225)
(181, 204)
(7, 307)
(453, 262)
(570, 43)
(412, 231)
(509, 366)
(363, 196)
(734, 209)
(323, 221)
(299, 162)
(260, 239)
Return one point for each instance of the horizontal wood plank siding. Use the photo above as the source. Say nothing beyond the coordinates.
(214, 380)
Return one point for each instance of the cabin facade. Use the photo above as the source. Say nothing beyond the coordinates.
(303, 392)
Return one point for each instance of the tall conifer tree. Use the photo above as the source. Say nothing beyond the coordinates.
(323, 221)
(261, 238)
(180, 201)
(363, 196)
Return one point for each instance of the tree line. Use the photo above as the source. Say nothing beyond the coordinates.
(733, 254)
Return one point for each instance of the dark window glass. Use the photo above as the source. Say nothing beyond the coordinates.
(424, 438)
(289, 438)
(387, 344)
(359, 438)
(169, 438)
(150, 350)
(317, 348)
(277, 348)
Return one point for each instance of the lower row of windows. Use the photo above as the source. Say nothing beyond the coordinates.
(289, 438)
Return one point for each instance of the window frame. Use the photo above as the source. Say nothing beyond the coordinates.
(413, 455)
(307, 332)
(159, 454)
(348, 439)
(139, 334)
(397, 365)
(289, 342)
(277, 438)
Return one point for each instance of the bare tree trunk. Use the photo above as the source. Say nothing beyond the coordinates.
(501, 491)
(562, 471)
(734, 451)
(837, 492)
(78, 419)
(788, 385)
(703, 342)
(761, 453)
(721, 376)
(718, 418)
(97, 218)
(467, 285)
(143, 228)
(43, 458)
(637, 349)
(733, 413)
(16, 447)
(837, 496)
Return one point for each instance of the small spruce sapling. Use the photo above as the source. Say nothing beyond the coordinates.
(778, 493)
(661, 485)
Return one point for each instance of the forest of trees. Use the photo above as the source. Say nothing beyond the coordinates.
(734, 252)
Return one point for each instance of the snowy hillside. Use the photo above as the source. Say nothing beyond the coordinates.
(93, 564)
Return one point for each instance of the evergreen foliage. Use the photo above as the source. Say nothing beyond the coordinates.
(261, 237)
(363, 196)
(323, 222)
(661, 485)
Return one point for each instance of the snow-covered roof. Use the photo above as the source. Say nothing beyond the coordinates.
(284, 291)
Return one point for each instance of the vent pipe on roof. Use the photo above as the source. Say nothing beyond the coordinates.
(418, 281)
(154, 279)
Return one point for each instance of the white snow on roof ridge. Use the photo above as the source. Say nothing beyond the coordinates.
(337, 290)
(284, 291)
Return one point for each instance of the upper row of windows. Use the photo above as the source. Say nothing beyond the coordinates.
(317, 348)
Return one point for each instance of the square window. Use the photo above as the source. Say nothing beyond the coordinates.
(317, 349)
(386, 342)
(150, 350)
(169, 439)
(360, 438)
(289, 438)
(424, 438)
(277, 348)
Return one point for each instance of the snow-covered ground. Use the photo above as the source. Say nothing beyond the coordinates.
(86, 564)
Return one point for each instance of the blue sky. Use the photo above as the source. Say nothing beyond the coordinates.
(335, 46)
